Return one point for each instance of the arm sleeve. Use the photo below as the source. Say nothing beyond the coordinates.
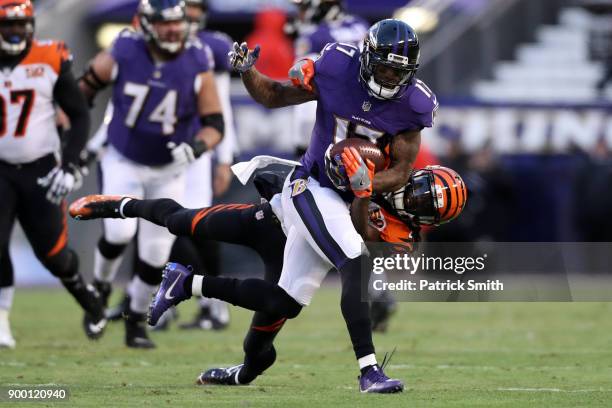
(228, 146)
(69, 97)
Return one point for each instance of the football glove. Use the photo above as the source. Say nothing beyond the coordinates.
(60, 181)
(360, 173)
(241, 58)
(301, 74)
(185, 153)
(334, 168)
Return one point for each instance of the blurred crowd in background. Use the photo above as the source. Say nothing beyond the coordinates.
(525, 91)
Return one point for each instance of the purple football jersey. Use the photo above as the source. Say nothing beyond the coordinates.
(154, 103)
(347, 29)
(220, 44)
(346, 109)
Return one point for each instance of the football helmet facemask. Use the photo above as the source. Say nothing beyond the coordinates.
(389, 58)
(151, 13)
(434, 195)
(16, 26)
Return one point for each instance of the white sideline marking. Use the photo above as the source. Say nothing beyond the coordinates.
(553, 390)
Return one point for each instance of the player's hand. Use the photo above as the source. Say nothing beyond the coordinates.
(222, 179)
(301, 74)
(241, 58)
(360, 173)
(60, 181)
(334, 168)
(185, 153)
(86, 159)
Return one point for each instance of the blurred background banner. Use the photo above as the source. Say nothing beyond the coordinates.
(525, 91)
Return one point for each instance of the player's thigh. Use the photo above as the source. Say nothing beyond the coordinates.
(120, 177)
(323, 218)
(303, 268)
(155, 242)
(198, 183)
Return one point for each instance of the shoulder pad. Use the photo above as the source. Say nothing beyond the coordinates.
(422, 99)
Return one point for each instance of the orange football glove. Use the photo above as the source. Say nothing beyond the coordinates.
(301, 74)
(360, 173)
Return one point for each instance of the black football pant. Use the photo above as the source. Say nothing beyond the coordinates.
(253, 226)
(44, 223)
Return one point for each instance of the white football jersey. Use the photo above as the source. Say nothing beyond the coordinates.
(27, 113)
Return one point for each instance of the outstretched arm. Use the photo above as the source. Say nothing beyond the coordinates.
(274, 94)
(266, 91)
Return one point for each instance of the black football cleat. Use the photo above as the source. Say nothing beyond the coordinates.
(381, 313)
(94, 321)
(119, 311)
(97, 206)
(220, 376)
(136, 335)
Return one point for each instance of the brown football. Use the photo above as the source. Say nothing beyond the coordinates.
(366, 149)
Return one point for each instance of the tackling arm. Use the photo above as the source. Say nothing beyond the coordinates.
(404, 149)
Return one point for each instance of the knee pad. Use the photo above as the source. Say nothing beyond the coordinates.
(64, 264)
(151, 275)
(108, 250)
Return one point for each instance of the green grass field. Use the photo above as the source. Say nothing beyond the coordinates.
(449, 355)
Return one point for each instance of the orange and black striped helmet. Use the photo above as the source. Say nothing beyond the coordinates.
(434, 195)
(14, 40)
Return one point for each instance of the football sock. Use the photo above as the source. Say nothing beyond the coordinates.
(253, 294)
(6, 297)
(140, 294)
(156, 211)
(356, 313)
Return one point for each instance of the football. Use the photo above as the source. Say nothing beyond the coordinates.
(366, 149)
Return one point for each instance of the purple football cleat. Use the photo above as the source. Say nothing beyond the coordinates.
(375, 380)
(170, 292)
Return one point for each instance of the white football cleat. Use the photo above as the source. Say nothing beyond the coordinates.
(6, 337)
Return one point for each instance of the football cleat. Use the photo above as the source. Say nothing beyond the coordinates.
(214, 316)
(375, 381)
(220, 376)
(164, 321)
(381, 313)
(136, 335)
(170, 292)
(98, 206)
(118, 311)
(6, 337)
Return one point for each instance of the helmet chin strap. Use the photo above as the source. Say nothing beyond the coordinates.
(379, 91)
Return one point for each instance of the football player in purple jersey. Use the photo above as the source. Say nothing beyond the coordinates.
(166, 114)
(370, 93)
(319, 23)
(213, 313)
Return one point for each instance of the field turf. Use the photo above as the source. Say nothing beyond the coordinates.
(449, 355)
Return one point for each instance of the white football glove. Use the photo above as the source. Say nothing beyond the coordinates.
(59, 182)
(241, 58)
(182, 154)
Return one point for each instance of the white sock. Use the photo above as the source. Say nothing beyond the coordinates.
(140, 294)
(106, 269)
(196, 285)
(368, 360)
(6, 297)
